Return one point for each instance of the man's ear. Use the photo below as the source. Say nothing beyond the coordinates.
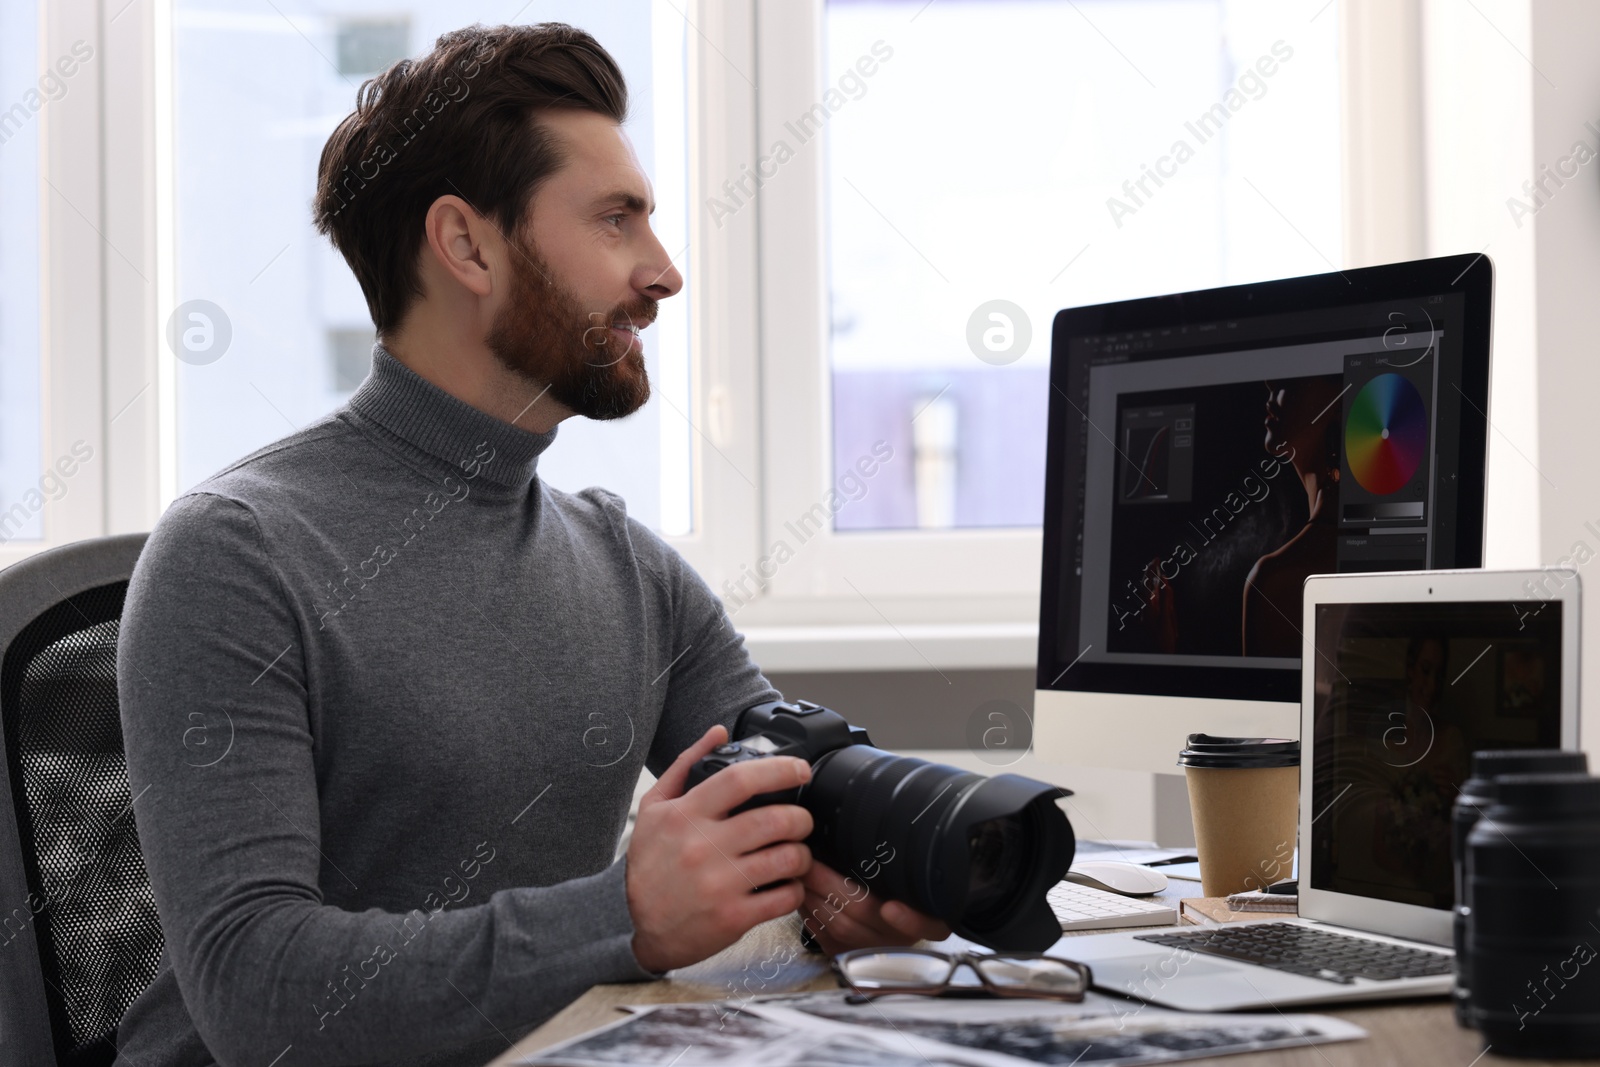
(464, 244)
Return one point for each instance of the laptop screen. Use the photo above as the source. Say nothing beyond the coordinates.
(1404, 694)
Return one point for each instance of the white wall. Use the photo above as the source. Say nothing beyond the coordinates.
(1511, 86)
(1566, 48)
(1478, 149)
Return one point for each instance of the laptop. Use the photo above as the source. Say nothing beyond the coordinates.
(1405, 675)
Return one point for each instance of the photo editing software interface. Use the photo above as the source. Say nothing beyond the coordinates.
(1214, 466)
(1404, 694)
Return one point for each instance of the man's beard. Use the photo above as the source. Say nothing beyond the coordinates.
(544, 334)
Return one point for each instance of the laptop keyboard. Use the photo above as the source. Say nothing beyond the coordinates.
(1308, 951)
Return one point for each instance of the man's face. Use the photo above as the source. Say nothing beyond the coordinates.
(586, 273)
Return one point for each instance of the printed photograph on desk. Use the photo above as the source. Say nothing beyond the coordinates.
(725, 1032)
(1102, 1029)
(815, 1029)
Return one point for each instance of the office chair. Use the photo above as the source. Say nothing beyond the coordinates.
(79, 936)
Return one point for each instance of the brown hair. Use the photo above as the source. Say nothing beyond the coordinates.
(456, 121)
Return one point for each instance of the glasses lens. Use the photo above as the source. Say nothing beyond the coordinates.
(1032, 975)
(895, 970)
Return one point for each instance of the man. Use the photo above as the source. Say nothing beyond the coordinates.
(385, 693)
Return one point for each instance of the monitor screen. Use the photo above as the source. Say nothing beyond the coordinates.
(1209, 452)
(1403, 695)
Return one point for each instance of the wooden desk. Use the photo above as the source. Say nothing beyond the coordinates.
(1414, 1033)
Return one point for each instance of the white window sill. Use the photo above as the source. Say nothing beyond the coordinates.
(941, 646)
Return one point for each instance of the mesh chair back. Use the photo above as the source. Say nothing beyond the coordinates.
(86, 932)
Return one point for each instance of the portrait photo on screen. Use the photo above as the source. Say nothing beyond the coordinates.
(1227, 499)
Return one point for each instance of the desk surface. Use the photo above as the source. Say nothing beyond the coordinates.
(1416, 1033)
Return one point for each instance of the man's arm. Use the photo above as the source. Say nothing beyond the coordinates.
(211, 675)
(710, 677)
(712, 681)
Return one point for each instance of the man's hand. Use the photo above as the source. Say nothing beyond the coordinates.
(693, 870)
(842, 914)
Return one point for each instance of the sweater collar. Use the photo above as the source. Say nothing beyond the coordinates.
(448, 430)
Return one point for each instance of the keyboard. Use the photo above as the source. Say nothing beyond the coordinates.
(1082, 908)
(1308, 951)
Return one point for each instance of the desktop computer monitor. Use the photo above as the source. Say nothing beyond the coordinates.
(1209, 451)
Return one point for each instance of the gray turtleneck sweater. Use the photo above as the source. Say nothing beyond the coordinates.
(386, 696)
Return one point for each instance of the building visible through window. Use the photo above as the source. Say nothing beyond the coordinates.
(368, 45)
(349, 357)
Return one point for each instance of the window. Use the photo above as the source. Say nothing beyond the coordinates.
(971, 168)
(991, 162)
(857, 438)
(257, 92)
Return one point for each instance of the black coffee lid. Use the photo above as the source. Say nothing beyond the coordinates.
(1547, 795)
(1495, 762)
(1231, 752)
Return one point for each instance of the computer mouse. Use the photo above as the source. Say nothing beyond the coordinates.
(1129, 879)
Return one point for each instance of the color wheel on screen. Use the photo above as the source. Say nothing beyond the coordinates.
(1386, 434)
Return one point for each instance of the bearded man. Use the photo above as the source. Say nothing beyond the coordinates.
(362, 668)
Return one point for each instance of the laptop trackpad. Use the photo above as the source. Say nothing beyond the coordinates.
(1141, 976)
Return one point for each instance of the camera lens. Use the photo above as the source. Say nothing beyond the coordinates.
(978, 852)
(1476, 796)
(996, 847)
(1533, 871)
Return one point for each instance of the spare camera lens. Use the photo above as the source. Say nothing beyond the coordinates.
(1533, 868)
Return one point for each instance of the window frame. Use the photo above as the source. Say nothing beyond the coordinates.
(723, 316)
(887, 577)
(86, 266)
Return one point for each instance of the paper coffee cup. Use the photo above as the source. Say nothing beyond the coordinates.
(1244, 795)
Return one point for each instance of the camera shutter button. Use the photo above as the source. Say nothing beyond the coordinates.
(730, 749)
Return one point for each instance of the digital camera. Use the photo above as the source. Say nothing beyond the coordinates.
(978, 852)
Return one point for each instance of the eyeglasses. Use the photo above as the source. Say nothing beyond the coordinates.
(877, 972)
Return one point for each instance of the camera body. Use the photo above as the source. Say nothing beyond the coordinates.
(979, 853)
(802, 729)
